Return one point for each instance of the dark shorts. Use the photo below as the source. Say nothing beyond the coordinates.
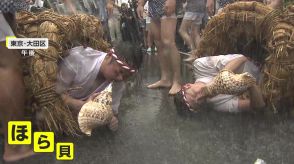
(156, 8)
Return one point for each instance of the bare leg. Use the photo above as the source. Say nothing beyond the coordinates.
(165, 72)
(117, 30)
(111, 27)
(185, 26)
(11, 101)
(196, 39)
(168, 31)
(196, 34)
(149, 35)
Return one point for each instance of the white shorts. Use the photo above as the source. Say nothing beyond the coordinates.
(196, 17)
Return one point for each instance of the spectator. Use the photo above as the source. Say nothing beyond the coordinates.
(163, 27)
(114, 21)
(195, 12)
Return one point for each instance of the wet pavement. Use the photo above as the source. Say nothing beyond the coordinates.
(151, 131)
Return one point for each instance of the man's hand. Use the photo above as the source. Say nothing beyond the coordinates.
(140, 8)
(92, 97)
(170, 7)
(210, 7)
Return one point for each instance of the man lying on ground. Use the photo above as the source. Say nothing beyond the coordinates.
(205, 69)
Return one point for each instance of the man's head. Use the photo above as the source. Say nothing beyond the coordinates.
(123, 62)
(190, 97)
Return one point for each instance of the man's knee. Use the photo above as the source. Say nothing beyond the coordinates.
(167, 42)
(181, 31)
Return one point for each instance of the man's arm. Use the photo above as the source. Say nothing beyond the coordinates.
(73, 104)
(255, 101)
(210, 7)
(235, 63)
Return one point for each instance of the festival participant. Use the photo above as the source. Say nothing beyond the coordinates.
(205, 69)
(86, 72)
(163, 27)
(12, 94)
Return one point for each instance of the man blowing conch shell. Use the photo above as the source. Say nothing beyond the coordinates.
(85, 72)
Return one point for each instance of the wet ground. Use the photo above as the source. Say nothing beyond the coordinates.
(152, 132)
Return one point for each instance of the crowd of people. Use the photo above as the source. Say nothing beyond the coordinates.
(93, 70)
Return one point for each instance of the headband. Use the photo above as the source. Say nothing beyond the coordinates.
(120, 62)
(185, 99)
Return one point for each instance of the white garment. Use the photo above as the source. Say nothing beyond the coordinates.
(206, 68)
(5, 29)
(79, 70)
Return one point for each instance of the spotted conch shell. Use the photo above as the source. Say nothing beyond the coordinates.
(96, 113)
(226, 82)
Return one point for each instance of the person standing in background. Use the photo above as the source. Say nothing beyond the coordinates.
(195, 12)
(114, 21)
(163, 27)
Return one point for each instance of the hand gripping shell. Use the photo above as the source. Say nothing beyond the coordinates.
(96, 113)
(226, 82)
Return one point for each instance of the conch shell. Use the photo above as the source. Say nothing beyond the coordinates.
(96, 113)
(226, 82)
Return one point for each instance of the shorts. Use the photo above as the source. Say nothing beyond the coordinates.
(148, 28)
(164, 17)
(196, 17)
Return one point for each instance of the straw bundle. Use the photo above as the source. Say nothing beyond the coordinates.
(239, 28)
(279, 67)
(61, 31)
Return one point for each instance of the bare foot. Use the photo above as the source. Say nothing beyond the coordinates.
(175, 89)
(160, 84)
(113, 126)
(15, 153)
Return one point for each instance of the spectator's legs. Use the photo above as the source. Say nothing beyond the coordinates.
(117, 30)
(168, 31)
(150, 40)
(145, 32)
(12, 99)
(163, 60)
(111, 27)
(196, 35)
(185, 26)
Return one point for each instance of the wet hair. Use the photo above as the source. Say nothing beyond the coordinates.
(180, 103)
(131, 54)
